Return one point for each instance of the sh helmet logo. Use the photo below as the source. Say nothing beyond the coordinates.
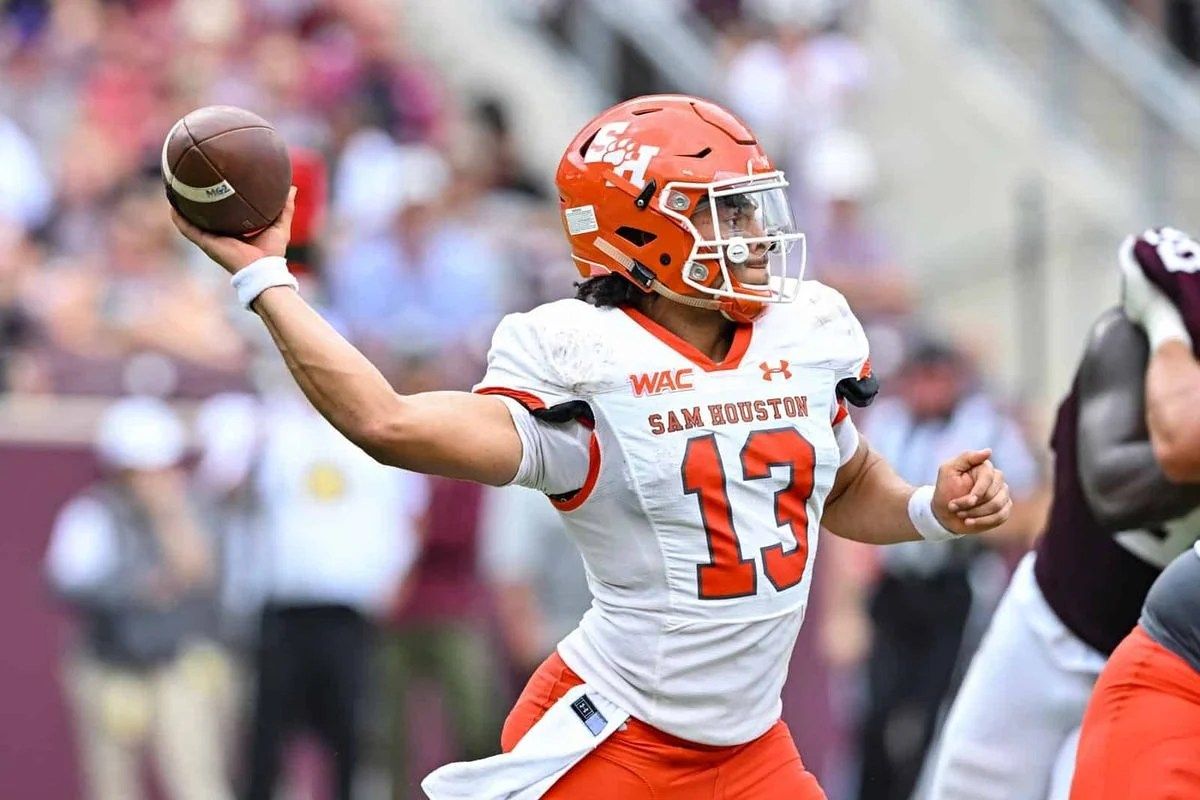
(628, 158)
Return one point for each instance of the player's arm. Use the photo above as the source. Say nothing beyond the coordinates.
(1172, 382)
(455, 434)
(1172, 401)
(870, 503)
(1119, 461)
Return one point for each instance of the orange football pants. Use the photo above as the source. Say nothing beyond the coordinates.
(1141, 732)
(639, 762)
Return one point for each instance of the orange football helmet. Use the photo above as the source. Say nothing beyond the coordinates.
(670, 191)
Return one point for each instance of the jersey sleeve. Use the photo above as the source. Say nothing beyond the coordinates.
(534, 365)
(556, 457)
(525, 365)
(849, 356)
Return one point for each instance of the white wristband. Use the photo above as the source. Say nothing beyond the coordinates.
(251, 281)
(1163, 322)
(920, 511)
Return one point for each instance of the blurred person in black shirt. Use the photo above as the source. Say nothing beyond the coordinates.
(920, 607)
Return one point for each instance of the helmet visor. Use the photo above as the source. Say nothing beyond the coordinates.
(744, 229)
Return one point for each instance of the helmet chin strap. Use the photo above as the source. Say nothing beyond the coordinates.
(657, 286)
(686, 299)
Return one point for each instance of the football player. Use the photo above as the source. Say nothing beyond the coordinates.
(1141, 732)
(1120, 514)
(686, 414)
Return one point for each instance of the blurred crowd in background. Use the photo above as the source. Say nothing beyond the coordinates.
(237, 573)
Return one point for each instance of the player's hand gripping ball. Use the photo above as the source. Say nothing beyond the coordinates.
(226, 170)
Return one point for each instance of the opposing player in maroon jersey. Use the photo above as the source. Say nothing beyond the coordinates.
(1121, 512)
(1141, 733)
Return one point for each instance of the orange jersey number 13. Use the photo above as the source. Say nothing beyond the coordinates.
(727, 574)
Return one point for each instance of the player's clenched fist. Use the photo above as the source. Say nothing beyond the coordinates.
(971, 495)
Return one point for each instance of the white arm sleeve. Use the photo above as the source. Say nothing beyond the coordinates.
(554, 455)
(846, 433)
(849, 355)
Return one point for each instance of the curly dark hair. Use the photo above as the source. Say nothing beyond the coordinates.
(609, 291)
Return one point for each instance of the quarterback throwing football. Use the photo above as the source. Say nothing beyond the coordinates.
(686, 414)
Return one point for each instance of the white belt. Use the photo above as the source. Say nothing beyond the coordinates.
(569, 730)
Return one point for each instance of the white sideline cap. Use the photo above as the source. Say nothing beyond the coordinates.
(140, 433)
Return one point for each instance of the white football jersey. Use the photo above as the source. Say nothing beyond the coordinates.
(700, 508)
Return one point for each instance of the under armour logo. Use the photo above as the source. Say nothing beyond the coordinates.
(589, 715)
(770, 372)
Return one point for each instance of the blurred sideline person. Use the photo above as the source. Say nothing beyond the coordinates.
(535, 573)
(1120, 514)
(920, 605)
(336, 533)
(227, 435)
(129, 554)
(438, 635)
(848, 252)
(695, 489)
(436, 632)
(1141, 731)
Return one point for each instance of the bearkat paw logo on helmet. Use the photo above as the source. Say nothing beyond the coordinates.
(619, 151)
(628, 158)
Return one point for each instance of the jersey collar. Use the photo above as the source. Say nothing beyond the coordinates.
(737, 348)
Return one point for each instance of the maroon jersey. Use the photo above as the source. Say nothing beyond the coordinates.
(1094, 584)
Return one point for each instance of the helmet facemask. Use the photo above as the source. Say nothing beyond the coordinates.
(746, 247)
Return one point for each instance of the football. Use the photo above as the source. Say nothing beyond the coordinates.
(226, 170)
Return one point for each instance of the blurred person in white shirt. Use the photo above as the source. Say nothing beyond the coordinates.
(333, 533)
(417, 269)
(845, 249)
(798, 82)
(130, 555)
(26, 193)
(540, 586)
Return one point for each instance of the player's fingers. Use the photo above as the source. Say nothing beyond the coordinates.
(981, 477)
(969, 459)
(992, 520)
(983, 494)
(988, 507)
(195, 235)
(186, 228)
(999, 487)
(289, 208)
(985, 475)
